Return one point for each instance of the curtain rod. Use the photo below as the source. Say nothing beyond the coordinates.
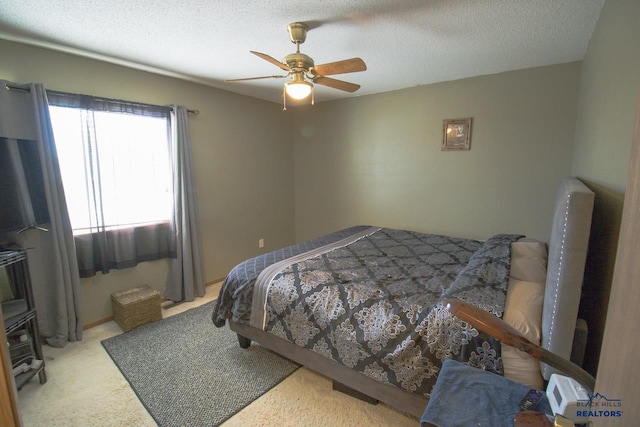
(7, 86)
(28, 89)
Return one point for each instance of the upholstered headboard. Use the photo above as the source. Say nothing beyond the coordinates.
(565, 269)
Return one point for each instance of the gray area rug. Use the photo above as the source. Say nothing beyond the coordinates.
(187, 372)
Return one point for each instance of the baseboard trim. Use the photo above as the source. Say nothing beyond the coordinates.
(97, 322)
(216, 281)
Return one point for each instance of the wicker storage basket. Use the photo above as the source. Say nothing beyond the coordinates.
(135, 307)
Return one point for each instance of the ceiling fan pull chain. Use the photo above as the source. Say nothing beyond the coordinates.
(284, 98)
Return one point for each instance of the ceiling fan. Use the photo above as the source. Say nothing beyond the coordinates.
(303, 72)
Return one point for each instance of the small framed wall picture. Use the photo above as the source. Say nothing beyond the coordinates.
(456, 134)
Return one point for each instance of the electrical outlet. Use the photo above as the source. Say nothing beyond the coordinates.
(261, 243)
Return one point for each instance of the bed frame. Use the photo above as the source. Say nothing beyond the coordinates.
(565, 269)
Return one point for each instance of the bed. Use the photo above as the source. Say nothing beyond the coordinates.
(364, 305)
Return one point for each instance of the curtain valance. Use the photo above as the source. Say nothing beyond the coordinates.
(89, 102)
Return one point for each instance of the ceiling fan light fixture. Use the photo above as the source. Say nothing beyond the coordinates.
(300, 66)
(298, 89)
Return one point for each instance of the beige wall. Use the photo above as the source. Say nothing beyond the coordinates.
(608, 98)
(242, 158)
(608, 94)
(377, 159)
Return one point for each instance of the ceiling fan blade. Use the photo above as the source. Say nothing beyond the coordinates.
(336, 84)
(340, 67)
(272, 60)
(255, 78)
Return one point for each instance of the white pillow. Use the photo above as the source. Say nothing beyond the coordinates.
(523, 311)
(523, 308)
(529, 260)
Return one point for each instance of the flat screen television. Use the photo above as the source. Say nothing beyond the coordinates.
(23, 201)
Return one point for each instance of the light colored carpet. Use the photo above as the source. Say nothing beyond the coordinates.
(85, 388)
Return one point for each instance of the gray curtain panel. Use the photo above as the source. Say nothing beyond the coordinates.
(185, 278)
(24, 114)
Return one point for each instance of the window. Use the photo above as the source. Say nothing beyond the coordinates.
(116, 168)
(127, 164)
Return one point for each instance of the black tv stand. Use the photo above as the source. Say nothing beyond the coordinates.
(19, 315)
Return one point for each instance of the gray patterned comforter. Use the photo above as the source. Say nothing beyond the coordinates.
(236, 295)
(375, 304)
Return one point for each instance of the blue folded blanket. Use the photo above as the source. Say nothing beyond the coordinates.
(467, 396)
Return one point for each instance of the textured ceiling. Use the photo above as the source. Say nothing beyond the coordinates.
(404, 43)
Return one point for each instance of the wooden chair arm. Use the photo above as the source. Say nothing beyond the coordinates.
(492, 325)
(507, 334)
